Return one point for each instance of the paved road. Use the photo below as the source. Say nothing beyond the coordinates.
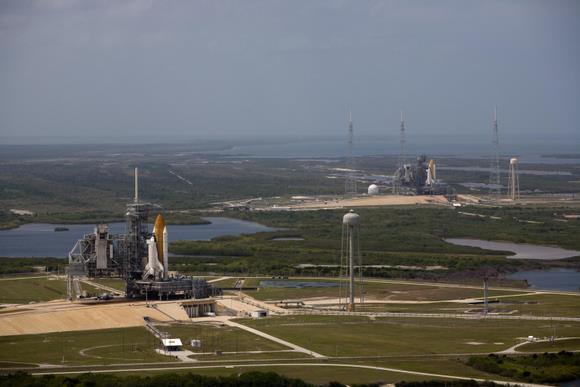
(359, 366)
(433, 315)
(23, 278)
(218, 279)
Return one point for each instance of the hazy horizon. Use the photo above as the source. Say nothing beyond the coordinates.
(147, 71)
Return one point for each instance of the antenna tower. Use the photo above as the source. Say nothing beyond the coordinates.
(350, 186)
(494, 178)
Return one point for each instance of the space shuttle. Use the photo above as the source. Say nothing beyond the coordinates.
(157, 247)
(431, 173)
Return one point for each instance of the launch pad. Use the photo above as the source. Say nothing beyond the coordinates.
(418, 179)
(138, 256)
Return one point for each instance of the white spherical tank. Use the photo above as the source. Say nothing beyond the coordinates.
(514, 161)
(351, 218)
(373, 189)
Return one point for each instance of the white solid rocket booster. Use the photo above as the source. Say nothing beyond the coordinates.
(165, 254)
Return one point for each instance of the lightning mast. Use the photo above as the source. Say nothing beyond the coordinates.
(402, 157)
(350, 186)
(494, 178)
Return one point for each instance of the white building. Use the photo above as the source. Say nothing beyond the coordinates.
(373, 189)
(170, 345)
(258, 313)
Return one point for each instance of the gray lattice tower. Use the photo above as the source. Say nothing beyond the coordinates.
(350, 185)
(402, 156)
(135, 238)
(494, 177)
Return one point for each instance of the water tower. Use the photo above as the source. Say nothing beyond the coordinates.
(514, 180)
(350, 254)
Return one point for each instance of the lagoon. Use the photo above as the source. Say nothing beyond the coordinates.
(555, 279)
(519, 250)
(40, 239)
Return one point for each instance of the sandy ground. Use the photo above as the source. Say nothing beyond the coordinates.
(66, 316)
(173, 310)
(61, 316)
(368, 201)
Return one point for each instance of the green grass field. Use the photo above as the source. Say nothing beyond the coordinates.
(536, 305)
(543, 305)
(115, 283)
(372, 289)
(82, 348)
(557, 346)
(220, 338)
(22, 291)
(452, 365)
(350, 336)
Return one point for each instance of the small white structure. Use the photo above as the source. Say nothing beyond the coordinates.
(196, 343)
(373, 189)
(170, 345)
(259, 313)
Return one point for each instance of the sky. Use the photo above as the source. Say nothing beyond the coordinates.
(97, 70)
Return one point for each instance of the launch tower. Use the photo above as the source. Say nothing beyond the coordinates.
(138, 256)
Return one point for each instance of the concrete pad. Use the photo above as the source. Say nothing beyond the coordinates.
(373, 201)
